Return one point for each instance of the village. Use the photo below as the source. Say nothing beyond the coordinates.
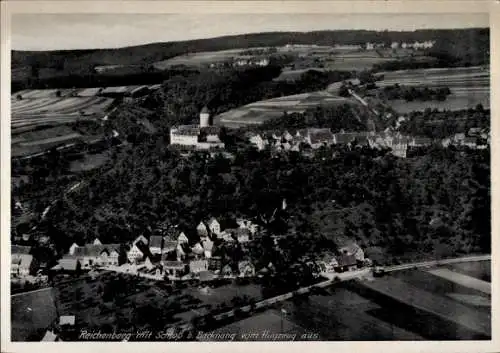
(169, 257)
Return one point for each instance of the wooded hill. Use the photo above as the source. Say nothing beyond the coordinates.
(471, 46)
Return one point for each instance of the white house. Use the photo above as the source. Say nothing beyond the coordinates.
(156, 244)
(182, 238)
(202, 229)
(73, 248)
(258, 142)
(214, 226)
(134, 254)
(97, 242)
(141, 238)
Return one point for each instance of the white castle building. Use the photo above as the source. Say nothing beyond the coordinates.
(202, 136)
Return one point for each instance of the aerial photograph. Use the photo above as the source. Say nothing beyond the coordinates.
(250, 177)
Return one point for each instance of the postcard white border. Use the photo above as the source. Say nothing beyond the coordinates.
(374, 6)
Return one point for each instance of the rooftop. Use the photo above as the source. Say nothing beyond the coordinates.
(155, 241)
(96, 249)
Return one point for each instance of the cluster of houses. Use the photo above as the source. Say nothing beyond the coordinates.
(314, 138)
(417, 45)
(350, 258)
(171, 255)
(243, 61)
(22, 262)
(475, 138)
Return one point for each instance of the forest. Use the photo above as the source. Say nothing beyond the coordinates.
(435, 205)
(442, 124)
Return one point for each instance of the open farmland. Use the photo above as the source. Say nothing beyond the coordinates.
(480, 270)
(266, 326)
(201, 58)
(258, 112)
(31, 314)
(406, 305)
(469, 86)
(478, 323)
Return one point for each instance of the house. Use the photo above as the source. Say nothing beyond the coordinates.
(155, 244)
(97, 254)
(243, 235)
(198, 250)
(182, 239)
(196, 266)
(328, 263)
(470, 142)
(354, 250)
(175, 269)
(141, 238)
(49, 337)
(149, 265)
(474, 131)
(22, 263)
(319, 137)
(287, 136)
(226, 235)
(458, 138)
(215, 263)
(227, 270)
(258, 142)
(208, 247)
(246, 224)
(135, 253)
(67, 320)
(168, 245)
(213, 226)
(180, 253)
(202, 230)
(72, 249)
(246, 269)
(67, 265)
(420, 142)
(346, 263)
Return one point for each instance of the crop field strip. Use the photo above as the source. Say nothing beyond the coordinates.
(464, 280)
(443, 307)
(335, 320)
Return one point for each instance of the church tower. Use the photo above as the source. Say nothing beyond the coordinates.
(204, 117)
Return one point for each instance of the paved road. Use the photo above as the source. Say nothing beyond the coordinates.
(437, 262)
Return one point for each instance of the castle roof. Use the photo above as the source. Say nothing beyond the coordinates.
(204, 110)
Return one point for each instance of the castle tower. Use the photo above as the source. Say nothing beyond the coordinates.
(204, 117)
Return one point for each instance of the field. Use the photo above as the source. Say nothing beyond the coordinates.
(480, 270)
(258, 112)
(407, 305)
(469, 87)
(225, 293)
(31, 113)
(201, 58)
(31, 314)
(89, 162)
(265, 326)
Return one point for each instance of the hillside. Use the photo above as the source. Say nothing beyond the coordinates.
(468, 44)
